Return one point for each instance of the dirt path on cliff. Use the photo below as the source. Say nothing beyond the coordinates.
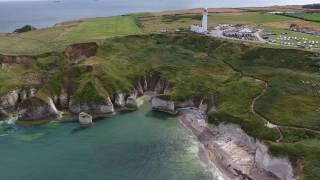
(268, 122)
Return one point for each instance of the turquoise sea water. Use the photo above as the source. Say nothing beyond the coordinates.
(141, 145)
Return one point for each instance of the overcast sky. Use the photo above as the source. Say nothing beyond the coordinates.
(262, 1)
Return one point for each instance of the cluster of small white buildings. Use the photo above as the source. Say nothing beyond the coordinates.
(250, 33)
(237, 31)
(296, 41)
(241, 32)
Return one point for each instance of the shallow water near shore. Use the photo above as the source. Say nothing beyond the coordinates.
(137, 145)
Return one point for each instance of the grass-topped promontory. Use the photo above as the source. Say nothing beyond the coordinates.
(58, 37)
(197, 66)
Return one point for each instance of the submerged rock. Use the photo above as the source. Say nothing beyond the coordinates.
(163, 105)
(85, 119)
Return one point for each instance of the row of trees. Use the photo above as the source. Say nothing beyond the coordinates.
(312, 6)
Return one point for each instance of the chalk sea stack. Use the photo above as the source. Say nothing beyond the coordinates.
(85, 119)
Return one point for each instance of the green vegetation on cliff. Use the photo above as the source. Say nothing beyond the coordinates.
(195, 67)
(198, 67)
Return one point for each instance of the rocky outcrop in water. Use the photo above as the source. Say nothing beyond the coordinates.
(10, 100)
(29, 107)
(8, 103)
(131, 102)
(184, 104)
(163, 105)
(35, 109)
(85, 119)
(98, 108)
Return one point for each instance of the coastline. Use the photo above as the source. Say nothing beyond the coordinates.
(228, 149)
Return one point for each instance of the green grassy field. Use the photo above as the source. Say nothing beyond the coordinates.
(58, 37)
(262, 19)
(275, 24)
(314, 17)
(293, 76)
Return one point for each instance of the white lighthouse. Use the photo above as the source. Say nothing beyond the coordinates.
(205, 20)
(203, 28)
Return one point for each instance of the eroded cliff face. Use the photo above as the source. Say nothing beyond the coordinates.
(281, 167)
(205, 105)
(14, 60)
(77, 52)
(35, 109)
(28, 106)
(99, 108)
(163, 105)
(256, 161)
(227, 145)
(120, 100)
(237, 155)
(10, 101)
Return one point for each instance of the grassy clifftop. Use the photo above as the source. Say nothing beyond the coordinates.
(198, 66)
(58, 37)
(234, 74)
(195, 66)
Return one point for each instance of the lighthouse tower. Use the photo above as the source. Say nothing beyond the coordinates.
(204, 24)
(203, 28)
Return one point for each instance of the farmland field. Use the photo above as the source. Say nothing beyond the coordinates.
(58, 37)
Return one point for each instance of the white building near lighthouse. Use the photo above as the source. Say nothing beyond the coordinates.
(203, 28)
